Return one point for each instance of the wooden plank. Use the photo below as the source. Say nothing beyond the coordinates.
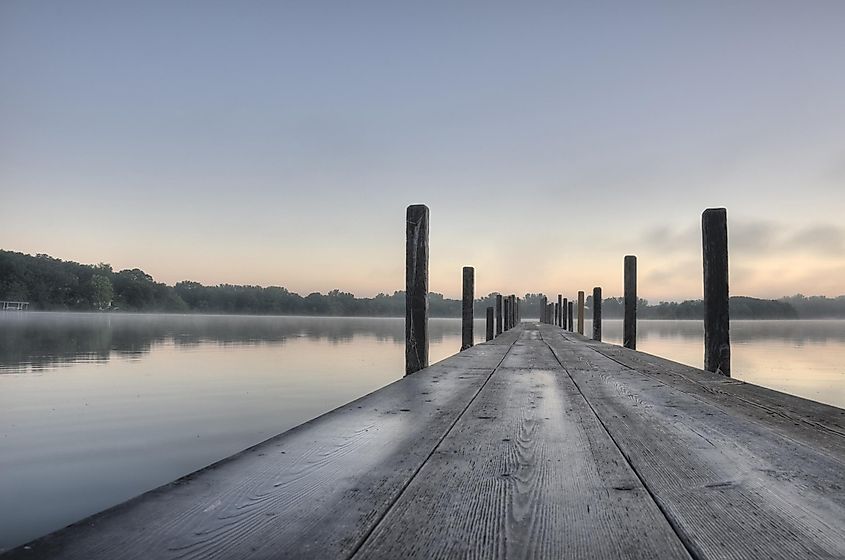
(313, 492)
(732, 486)
(527, 472)
(809, 421)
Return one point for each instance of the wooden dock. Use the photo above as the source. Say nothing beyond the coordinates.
(537, 444)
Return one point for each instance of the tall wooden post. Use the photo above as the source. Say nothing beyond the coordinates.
(490, 311)
(513, 310)
(466, 307)
(556, 313)
(717, 341)
(571, 315)
(596, 313)
(580, 312)
(629, 327)
(416, 288)
(498, 314)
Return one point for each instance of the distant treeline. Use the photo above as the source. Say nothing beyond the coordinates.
(53, 284)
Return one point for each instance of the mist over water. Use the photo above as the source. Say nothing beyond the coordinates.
(97, 408)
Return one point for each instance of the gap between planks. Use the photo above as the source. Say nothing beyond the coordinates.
(433, 451)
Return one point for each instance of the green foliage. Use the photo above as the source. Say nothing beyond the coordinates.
(102, 291)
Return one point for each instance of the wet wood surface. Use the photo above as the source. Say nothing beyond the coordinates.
(537, 444)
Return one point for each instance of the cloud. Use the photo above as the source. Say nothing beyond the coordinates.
(666, 239)
(825, 239)
(761, 238)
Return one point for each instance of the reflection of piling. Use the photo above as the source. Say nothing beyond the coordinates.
(597, 313)
(416, 288)
(466, 307)
(629, 328)
(717, 342)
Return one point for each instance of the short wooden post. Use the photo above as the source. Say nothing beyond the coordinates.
(498, 314)
(507, 313)
(559, 318)
(509, 318)
(466, 307)
(490, 312)
(571, 315)
(563, 314)
(416, 288)
(542, 309)
(629, 327)
(580, 312)
(717, 341)
(596, 313)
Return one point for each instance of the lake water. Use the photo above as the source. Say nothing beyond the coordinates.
(97, 408)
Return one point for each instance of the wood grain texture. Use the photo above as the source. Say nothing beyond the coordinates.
(733, 486)
(416, 288)
(813, 423)
(629, 322)
(312, 492)
(717, 324)
(527, 472)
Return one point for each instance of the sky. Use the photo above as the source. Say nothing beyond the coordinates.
(279, 143)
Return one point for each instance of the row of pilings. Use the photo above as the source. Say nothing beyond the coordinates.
(564, 313)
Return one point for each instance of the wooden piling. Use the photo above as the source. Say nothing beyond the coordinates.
(563, 314)
(629, 327)
(498, 314)
(559, 318)
(556, 313)
(580, 312)
(717, 343)
(511, 320)
(571, 315)
(507, 313)
(596, 313)
(490, 312)
(466, 307)
(416, 288)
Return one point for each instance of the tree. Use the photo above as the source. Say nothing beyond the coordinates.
(102, 292)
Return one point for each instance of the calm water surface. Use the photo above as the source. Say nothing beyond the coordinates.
(97, 408)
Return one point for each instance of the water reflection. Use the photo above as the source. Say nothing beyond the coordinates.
(38, 341)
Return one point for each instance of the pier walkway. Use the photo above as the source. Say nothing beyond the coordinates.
(538, 444)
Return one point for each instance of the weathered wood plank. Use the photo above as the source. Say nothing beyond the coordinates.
(313, 492)
(812, 422)
(527, 472)
(732, 486)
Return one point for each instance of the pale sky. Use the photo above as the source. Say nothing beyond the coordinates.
(278, 143)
